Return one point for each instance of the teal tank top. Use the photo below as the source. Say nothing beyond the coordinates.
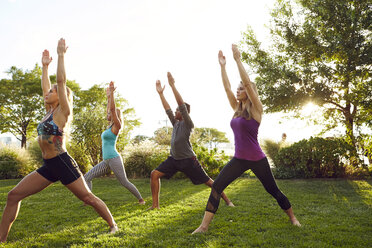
(109, 144)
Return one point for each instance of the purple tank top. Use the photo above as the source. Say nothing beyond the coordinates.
(245, 136)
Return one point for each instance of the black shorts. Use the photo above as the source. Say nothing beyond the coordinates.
(62, 167)
(190, 166)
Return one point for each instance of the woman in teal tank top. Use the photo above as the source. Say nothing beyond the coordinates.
(111, 158)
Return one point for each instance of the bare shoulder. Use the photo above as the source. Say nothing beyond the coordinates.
(59, 118)
(256, 115)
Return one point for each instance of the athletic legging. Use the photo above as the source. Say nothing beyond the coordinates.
(117, 166)
(234, 169)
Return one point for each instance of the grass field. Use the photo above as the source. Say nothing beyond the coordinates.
(334, 213)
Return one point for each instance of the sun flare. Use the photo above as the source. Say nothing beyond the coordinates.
(309, 109)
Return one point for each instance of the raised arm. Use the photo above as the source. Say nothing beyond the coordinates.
(225, 80)
(174, 89)
(61, 79)
(166, 106)
(114, 115)
(248, 85)
(108, 94)
(180, 102)
(160, 91)
(45, 81)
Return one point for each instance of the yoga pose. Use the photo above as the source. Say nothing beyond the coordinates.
(248, 154)
(111, 158)
(58, 165)
(182, 157)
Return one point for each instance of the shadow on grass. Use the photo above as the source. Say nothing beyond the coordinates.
(364, 189)
(232, 227)
(48, 214)
(332, 213)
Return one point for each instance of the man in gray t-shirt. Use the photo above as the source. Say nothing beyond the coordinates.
(182, 157)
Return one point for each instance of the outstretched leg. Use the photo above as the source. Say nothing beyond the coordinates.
(31, 184)
(263, 172)
(155, 188)
(117, 166)
(227, 175)
(80, 189)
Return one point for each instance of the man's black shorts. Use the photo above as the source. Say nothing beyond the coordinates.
(190, 166)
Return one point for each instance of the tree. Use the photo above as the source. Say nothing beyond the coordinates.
(163, 136)
(322, 53)
(138, 139)
(21, 103)
(90, 121)
(210, 137)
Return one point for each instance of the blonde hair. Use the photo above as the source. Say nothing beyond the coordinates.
(245, 111)
(69, 94)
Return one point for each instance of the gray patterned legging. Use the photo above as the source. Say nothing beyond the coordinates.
(117, 166)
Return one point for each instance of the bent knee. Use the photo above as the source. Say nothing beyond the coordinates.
(155, 174)
(218, 187)
(14, 196)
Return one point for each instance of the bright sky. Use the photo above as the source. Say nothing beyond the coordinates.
(134, 43)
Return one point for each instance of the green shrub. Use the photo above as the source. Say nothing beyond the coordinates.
(34, 150)
(142, 158)
(15, 162)
(271, 148)
(77, 152)
(313, 158)
(211, 160)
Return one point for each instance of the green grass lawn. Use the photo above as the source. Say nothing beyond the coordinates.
(334, 213)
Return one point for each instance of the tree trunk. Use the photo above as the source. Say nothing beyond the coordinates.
(350, 138)
(24, 136)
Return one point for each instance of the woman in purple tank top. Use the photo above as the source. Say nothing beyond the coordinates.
(248, 153)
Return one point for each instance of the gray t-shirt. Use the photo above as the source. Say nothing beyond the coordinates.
(180, 143)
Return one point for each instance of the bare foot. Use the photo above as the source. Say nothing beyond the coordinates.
(114, 229)
(141, 202)
(152, 208)
(230, 204)
(295, 222)
(200, 229)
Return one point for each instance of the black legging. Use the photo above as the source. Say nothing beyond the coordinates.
(234, 169)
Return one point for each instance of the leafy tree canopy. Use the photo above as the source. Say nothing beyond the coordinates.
(21, 103)
(321, 52)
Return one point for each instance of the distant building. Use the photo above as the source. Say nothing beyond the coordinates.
(228, 148)
(9, 140)
(5, 140)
